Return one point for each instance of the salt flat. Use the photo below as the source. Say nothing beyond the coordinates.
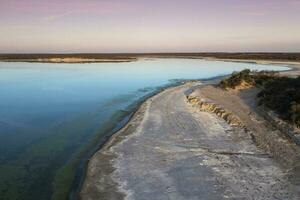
(171, 150)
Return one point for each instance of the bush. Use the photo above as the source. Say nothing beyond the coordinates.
(251, 78)
(236, 79)
(280, 94)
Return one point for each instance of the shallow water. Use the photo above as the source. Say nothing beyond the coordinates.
(50, 114)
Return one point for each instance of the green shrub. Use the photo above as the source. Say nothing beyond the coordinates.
(280, 94)
(236, 79)
(252, 78)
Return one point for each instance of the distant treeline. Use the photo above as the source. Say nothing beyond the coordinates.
(281, 94)
(239, 56)
(257, 56)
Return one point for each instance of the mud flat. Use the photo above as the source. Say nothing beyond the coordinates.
(172, 149)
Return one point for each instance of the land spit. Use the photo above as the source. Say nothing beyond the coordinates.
(173, 150)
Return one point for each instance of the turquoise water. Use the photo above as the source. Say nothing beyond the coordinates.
(50, 114)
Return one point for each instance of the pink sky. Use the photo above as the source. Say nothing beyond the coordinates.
(50, 26)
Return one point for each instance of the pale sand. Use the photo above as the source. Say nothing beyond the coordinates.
(72, 60)
(172, 150)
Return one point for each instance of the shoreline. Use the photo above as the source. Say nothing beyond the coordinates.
(117, 138)
(295, 66)
(70, 60)
(107, 168)
(120, 124)
(135, 120)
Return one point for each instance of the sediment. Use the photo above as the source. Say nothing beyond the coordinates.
(266, 131)
(171, 149)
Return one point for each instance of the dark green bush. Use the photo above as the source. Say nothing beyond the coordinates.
(281, 94)
(253, 78)
(236, 79)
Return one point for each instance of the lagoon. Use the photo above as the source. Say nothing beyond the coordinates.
(53, 116)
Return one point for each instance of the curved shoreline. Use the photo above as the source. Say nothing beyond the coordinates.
(134, 109)
(101, 155)
(132, 124)
(160, 150)
(120, 124)
(294, 66)
(106, 166)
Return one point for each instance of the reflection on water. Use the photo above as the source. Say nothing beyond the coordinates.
(50, 114)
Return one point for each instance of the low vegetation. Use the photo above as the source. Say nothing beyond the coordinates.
(247, 78)
(237, 79)
(280, 94)
(239, 56)
(256, 56)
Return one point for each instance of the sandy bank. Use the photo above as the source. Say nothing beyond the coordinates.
(240, 108)
(173, 150)
(70, 60)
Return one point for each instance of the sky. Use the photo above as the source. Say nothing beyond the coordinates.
(122, 26)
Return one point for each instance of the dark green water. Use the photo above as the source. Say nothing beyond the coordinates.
(52, 115)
